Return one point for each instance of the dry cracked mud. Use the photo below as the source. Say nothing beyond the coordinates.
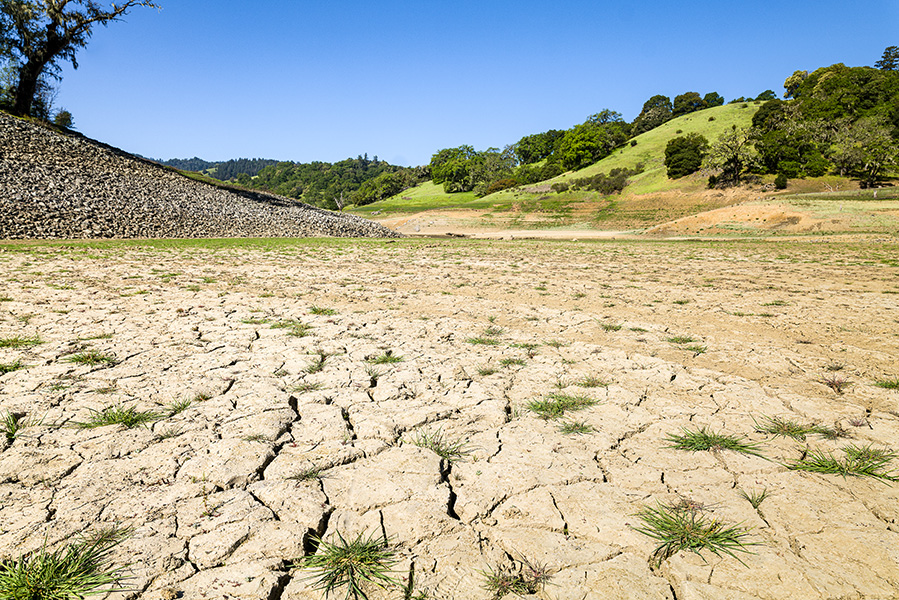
(274, 423)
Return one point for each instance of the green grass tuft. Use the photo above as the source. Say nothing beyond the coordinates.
(385, 359)
(703, 440)
(128, 416)
(320, 310)
(576, 427)
(354, 564)
(857, 461)
(888, 384)
(80, 569)
(482, 341)
(18, 341)
(555, 406)
(681, 527)
(92, 358)
(10, 367)
(439, 443)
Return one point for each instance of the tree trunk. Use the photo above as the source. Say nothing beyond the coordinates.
(26, 88)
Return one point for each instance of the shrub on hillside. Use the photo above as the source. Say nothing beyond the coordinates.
(780, 182)
(683, 155)
(560, 187)
(502, 184)
(613, 183)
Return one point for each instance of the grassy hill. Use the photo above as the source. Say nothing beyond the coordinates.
(651, 198)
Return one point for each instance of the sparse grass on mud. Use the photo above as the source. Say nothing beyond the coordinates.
(679, 528)
(703, 439)
(128, 416)
(355, 565)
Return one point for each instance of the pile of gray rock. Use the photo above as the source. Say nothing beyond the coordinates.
(54, 185)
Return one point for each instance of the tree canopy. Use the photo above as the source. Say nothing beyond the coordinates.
(37, 35)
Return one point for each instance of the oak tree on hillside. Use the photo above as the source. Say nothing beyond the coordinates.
(39, 34)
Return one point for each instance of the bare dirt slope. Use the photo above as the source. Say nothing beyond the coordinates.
(286, 430)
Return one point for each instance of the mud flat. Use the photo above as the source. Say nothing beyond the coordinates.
(294, 386)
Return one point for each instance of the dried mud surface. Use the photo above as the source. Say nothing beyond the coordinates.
(292, 432)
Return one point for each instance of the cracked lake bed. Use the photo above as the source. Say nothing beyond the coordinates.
(482, 405)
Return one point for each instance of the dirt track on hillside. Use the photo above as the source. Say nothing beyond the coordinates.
(214, 494)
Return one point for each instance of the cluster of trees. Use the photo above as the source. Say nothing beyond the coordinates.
(541, 156)
(837, 119)
(607, 184)
(334, 185)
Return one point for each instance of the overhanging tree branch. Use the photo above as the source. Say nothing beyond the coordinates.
(42, 33)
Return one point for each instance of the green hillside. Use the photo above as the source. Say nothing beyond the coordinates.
(580, 207)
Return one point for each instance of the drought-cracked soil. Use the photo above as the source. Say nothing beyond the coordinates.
(273, 422)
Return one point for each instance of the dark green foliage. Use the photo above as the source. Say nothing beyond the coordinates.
(499, 185)
(683, 155)
(452, 168)
(780, 182)
(703, 439)
(713, 181)
(560, 187)
(613, 183)
(732, 153)
(857, 461)
(592, 140)
(381, 187)
(64, 119)
(656, 111)
(536, 147)
(766, 95)
(320, 183)
(188, 164)
(687, 103)
(526, 174)
(890, 59)
(713, 99)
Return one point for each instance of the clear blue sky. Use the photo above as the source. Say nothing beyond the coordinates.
(327, 80)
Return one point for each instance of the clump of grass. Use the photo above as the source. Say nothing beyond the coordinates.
(294, 328)
(523, 577)
(556, 343)
(320, 310)
(11, 424)
(610, 326)
(386, 359)
(697, 349)
(486, 371)
(306, 386)
(439, 443)
(681, 302)
(512, 362)
(18, 341)
(556, 405)
(831, 433)
(682, 527)
(177, 407)
(703, 439)
(128, 416)
(833, 367)
(493, 331)
(354, 564)
(318, 363)
(482, 341)
(10, 367)
(681, 339)
(576, 428)
(255, 321)
(80, 569)
(589, 381)
(754, 497)
(857, 461)
(256, 437)
(888, 384)
(780, 427)
(836, 383)
(92, 358)
(310, 474)
(202, 396)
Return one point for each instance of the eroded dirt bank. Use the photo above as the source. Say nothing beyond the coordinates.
(275, 422)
